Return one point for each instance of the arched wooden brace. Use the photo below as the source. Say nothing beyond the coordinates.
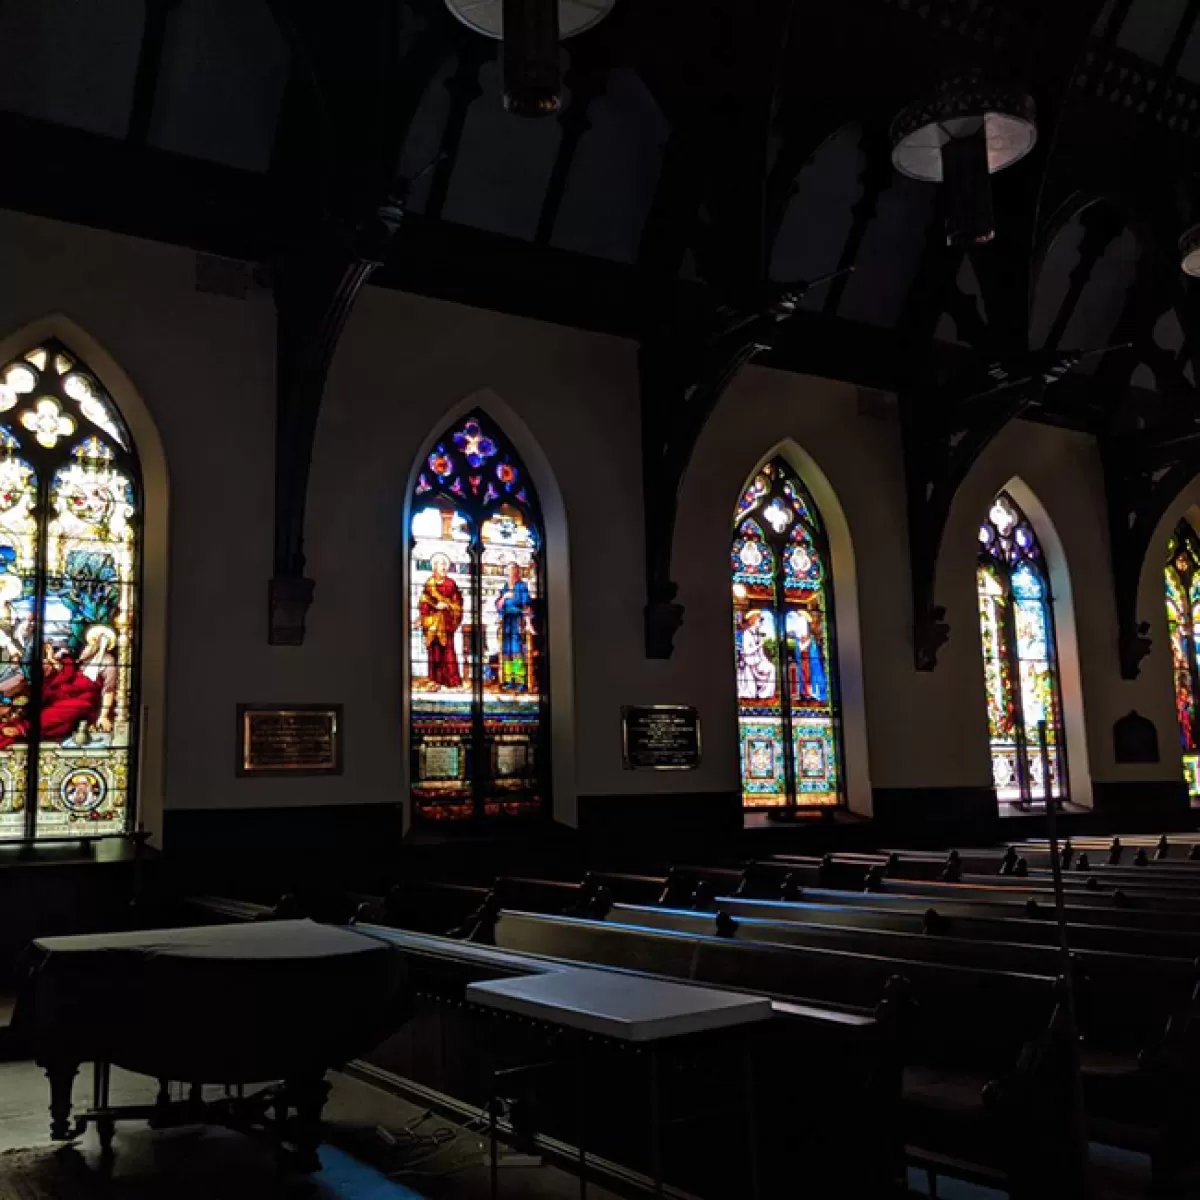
(944, 434)
(681, 380)
(946, 427)
(315, 283)
(1143, 476)
(716, 160)
(346, 111)
(1149, 454)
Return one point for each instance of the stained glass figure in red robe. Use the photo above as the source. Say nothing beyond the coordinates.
(441, 610)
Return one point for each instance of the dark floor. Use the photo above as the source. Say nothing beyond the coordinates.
(431, 1159)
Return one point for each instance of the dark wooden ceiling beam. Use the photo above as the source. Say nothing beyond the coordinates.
(1101, 227)
(947, 422)
(149, 66)
(335, 195)
(1187, 22)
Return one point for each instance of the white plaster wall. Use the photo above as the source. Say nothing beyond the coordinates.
(204, 367)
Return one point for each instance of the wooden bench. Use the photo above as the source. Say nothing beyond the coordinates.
(902, 868)
(812, 1068)
(1124, 849)
(1011, 862)
(950, 904)
(990, 1082)
(1141, 1070)
(425, 906)
(935, 922)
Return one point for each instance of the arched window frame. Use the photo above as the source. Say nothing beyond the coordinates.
(1009, 550)
(478, 480)
(58, 418)
(798, 530)
(1182, 579)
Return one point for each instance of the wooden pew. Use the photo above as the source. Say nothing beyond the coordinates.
(1127, 1000)
(627, 888)
(996, 869)
(900, 868)
(426, 907)
(1011, 861)
(439, 908)
(1141, 1066)
(966, 922)
(948, 903)
(1149, 901)
(812, 1067)
(991, 1082)
(1125, 849)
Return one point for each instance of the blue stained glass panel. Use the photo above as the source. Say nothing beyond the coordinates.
(784, 645)
(477, 687)
(1020, 668)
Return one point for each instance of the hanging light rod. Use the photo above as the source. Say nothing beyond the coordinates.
(530, 31)
(967, 130)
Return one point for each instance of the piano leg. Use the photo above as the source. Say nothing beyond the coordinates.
(105, 1125)
(307, 1097)
(62, 1080)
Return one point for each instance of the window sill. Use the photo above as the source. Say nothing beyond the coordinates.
(101, 851)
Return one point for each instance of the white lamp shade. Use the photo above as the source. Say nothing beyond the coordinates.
(487, 16)
(1189, 252)
(962, 105)
(919, 154)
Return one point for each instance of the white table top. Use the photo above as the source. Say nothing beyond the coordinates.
(265, 940)
(626, 1007)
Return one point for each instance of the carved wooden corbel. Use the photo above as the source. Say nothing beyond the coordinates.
(683, 374)
(945, 431)
(315, 282)
(1143, 475)
(339, 203)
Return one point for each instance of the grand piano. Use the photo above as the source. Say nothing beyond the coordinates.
(261, 1010)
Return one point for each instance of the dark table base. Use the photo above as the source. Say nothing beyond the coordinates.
(286, 1114)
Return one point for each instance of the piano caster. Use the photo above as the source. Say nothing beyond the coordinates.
(106, 1129)
(307, 1097)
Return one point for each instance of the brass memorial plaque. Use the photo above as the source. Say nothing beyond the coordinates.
(660, 737)
(289, 739)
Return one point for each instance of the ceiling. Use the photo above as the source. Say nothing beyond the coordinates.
(703, 144)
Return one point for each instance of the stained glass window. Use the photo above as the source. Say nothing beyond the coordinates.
(477, 602)
(788, 721)
(70, 508)
(1183, 621)
(1020, 664)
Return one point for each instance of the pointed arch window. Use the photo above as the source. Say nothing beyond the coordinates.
(477, 602)
(70, 571)
(788, 715)
(1183, 621)
(1020, 662)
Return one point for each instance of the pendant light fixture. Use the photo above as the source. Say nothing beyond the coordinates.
(531, 31)
(964, 133)
(1189, 252)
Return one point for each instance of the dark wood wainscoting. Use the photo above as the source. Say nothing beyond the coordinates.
(937, 816)
(1149, 806)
